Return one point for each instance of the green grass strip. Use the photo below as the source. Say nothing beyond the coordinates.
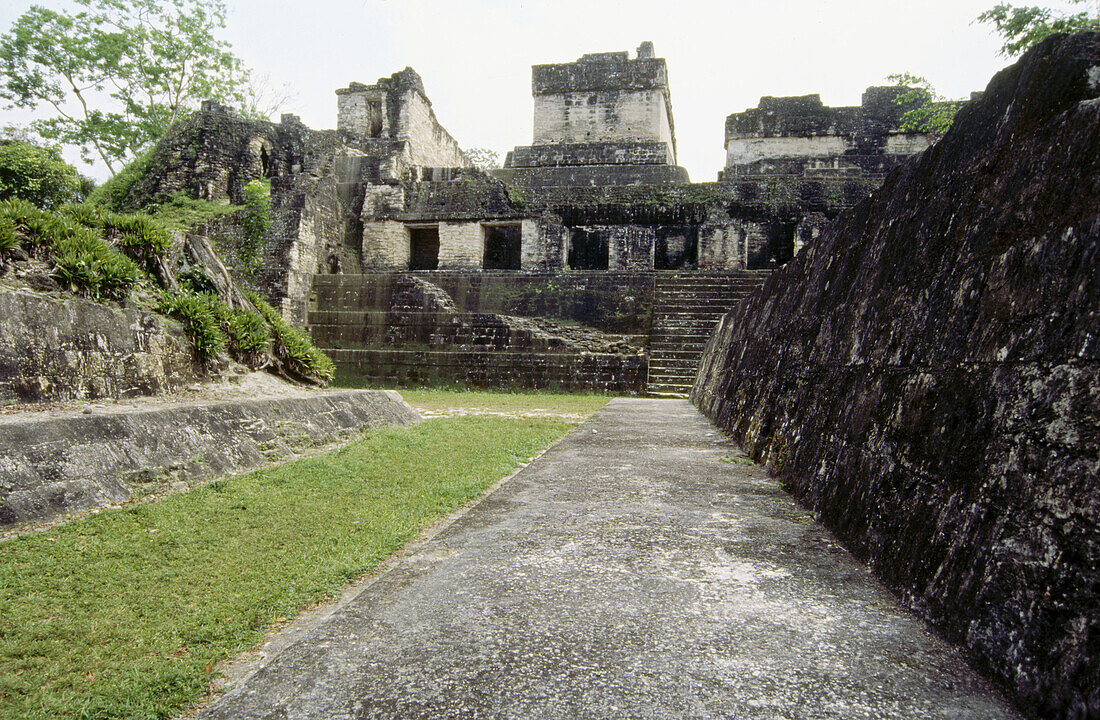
(504, 402)
(126, 614)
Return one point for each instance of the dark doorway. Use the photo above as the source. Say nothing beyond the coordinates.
(676, 248)
(424, 248)
(588, 249)
(374, 118)
(775, 248)
(502, 247)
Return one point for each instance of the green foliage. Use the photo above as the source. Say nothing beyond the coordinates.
(248, 336)
(36, 174)
(1022, 27)
(85, 263)
(483, 158)
(292, 346)
(927, 111)
(254, 226)
(181, 211)
(195, 280)
(127, 613)
(198, 320)
(518, 195)
(139, 237)
(112, 76)
(8, 241)
(113, 193)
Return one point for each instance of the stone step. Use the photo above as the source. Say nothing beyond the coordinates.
(673, 355)
(660, 364)
(669, 391)
(667, 394)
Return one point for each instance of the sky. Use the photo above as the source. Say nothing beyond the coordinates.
(475, 56)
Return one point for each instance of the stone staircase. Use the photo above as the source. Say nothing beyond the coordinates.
(686, 309)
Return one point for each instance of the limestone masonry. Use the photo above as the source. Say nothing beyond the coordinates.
(926, 377)
(597, 191)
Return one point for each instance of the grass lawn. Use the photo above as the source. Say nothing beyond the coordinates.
(570, 406)
(126, 614)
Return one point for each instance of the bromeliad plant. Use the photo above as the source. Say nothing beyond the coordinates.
(104, 255)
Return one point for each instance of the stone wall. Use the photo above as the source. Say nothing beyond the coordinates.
(71, 349)
(611, 302)
(77, 462)
(564, 372)
(801, 136)
(603, 97)
(926, 377)
(397, 109)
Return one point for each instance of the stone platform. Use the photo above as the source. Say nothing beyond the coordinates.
(637, 569)
(52, 464)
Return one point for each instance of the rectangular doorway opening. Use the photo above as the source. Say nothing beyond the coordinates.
(374, 118)
(676, 248)
(588, 249)
(502, 247)
(424, 248)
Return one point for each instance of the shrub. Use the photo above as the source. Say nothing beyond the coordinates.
(248, 336)
(199, 323)
(140, 237)
(86, 264)
(37, 175)
(292, 346)
(19, 211)
(8, 241)
(113, 193)
(254, 225)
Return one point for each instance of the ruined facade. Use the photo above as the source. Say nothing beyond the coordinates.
(605, 119)
(801, 136)
(598, 189)
(597, 192)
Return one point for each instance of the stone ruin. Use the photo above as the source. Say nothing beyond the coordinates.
(596, 207)
(926, 378)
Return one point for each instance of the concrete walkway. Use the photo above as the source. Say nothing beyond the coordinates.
(633, 571)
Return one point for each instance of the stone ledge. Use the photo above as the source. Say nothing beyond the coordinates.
(50, 467)
(623, 152)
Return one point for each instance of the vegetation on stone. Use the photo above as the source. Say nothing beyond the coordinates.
(80, 257)
(928, 111)
(113, 193)
(198, 319)
(254, 225)
(293, 347)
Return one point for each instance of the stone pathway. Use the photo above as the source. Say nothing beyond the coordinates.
(636, 570)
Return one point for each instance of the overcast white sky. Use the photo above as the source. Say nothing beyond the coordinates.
(723, 55)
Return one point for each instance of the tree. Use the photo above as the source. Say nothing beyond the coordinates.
(1022, 27)
(117, 73)
(37, 175)
(483, 158)
(927, 111)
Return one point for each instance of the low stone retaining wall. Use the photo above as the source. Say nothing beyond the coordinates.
(622, 374)
(613, 302)
(53, 466)
(73, 349)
